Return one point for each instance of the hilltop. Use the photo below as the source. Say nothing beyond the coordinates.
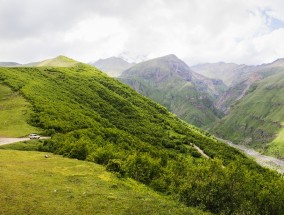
(59, 61)
(93, 117)
(170, 82)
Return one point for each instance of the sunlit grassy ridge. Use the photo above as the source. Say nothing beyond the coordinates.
(93, 117)
(33, 184)
(60, 61)
(14, 113)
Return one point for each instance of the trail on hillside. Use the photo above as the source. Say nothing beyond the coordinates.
(263, 160)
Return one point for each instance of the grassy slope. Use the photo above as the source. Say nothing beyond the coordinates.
(14, 113)
(257, 119)
(32, 184)
(99, 119)
(276, 147)
(179, 98)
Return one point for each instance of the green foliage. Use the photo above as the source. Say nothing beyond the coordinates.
(95, 118)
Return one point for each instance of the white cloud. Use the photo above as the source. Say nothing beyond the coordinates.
(196, 31)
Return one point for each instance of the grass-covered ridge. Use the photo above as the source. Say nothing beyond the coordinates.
(33, 184)
(93, 117)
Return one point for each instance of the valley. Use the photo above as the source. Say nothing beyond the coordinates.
(220, 103)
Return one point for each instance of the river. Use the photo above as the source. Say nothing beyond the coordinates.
(263, 160)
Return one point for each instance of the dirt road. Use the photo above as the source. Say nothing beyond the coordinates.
(5, 140)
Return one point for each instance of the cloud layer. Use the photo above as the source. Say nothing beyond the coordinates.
(244, 31)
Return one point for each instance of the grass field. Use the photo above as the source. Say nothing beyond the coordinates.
(276, 147)
(14, 112)
(33, 184)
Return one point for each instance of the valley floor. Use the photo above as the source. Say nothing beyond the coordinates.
(266, 161)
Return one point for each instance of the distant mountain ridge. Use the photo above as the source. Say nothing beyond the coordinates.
(9, 64)
(113, 66)
(170, 82)
(238, 78)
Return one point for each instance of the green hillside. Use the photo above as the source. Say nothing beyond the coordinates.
(95, 118)
(15, 112)
(32, 184)
(258, 118)
(169, 81)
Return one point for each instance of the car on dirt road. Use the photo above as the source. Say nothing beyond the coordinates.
(34, 136)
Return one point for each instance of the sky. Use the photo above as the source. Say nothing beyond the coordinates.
(197, 31)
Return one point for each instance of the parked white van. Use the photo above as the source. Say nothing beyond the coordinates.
(34, 136)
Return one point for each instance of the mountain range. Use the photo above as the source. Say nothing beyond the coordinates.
(93, 117)
(204, 93)
(170, 82)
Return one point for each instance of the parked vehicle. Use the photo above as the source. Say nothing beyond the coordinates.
(34, 136)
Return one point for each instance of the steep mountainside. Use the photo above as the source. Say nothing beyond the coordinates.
(258, 118)
(170, 82)
(95, 118)
(241, 78)
(112, 66)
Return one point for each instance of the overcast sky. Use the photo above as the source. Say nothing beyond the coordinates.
(197, 31)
